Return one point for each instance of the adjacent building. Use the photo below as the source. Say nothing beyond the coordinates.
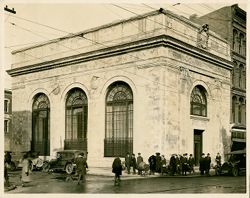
(152, 83)
(230, 23)
(7, 119)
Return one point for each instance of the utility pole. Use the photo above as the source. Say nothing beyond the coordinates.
(10, 10)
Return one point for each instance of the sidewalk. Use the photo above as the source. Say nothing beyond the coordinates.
(107, 172)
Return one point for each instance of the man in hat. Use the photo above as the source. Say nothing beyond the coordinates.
(191, 163)
(173, 164)
(139, 160)
(81, 166)
(152, 164)
(218, 159)
(184, 164)
(128, 162)
(158, 162)
(133, 163)
(207, 164)
(202, 164)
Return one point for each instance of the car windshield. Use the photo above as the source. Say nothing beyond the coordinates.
(66, 155)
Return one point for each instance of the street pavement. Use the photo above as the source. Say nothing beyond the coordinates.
(100, 180)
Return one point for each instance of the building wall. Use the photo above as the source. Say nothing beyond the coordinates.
(7, 119)
(161, 88)
(161, 77)
(224, 22)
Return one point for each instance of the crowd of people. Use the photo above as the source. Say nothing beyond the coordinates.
(178, 164)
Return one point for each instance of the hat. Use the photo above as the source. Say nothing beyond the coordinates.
(208, 153)
(139, 153)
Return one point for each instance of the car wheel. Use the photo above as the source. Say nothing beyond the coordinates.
(235, 171)
(46, 167)
(39, 163)
(69, 168)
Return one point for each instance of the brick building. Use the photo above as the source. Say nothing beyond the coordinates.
(7, 119)
(230, 23)
(152, 83)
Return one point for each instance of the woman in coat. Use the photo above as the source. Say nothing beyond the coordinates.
(117, 169)
(26, 170)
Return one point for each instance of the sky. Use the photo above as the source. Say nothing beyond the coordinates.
(46, 20)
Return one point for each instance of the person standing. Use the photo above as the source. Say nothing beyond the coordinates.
(139, 160)
(117, 170)
(202, 164)
(173, 164)
(158, 163)
(152, 164)
(207, 164)
(184, 164)
(178, 164)
(6, 176)
(191, 163)
(163, 164)
(128, 162)
(133, 163)
(81, 166)
(218, 159)
(26, 171)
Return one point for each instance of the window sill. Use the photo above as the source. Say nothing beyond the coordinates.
(199, 118)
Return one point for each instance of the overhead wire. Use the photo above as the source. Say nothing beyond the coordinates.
(108, 46)
(175, 30)
(182, 33)
(76, 34)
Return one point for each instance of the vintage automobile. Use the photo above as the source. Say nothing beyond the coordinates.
(234, 165)
(65, 161)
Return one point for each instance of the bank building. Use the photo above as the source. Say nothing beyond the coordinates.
(151, 83)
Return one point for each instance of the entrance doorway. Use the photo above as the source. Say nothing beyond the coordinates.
(197, 145)
(40, 125)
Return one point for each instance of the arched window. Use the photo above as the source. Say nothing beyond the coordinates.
(233, 108)
(233, 73)
(241, 76)
(119, 120)
(235, 34)
(241, 39)
(240, 110)
(40, 125)
(198, 101)
(76, 120)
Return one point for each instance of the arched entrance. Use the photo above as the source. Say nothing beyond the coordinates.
(40, 125)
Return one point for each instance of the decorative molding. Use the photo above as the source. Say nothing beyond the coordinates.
(158, 41)
(199, 118)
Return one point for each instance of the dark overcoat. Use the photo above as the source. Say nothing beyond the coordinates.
(117, 166)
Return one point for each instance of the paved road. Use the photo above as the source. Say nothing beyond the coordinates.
(57, 183)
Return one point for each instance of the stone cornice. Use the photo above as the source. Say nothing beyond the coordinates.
(152, 42)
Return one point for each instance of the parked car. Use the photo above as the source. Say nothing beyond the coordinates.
(65, 161)
(234, 165)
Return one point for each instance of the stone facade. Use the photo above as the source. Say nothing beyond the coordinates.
(157, 55)
(233, 29)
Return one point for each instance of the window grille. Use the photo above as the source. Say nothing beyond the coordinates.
(41, 125)
(76, 120)
(119, 120)
(198, 102)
